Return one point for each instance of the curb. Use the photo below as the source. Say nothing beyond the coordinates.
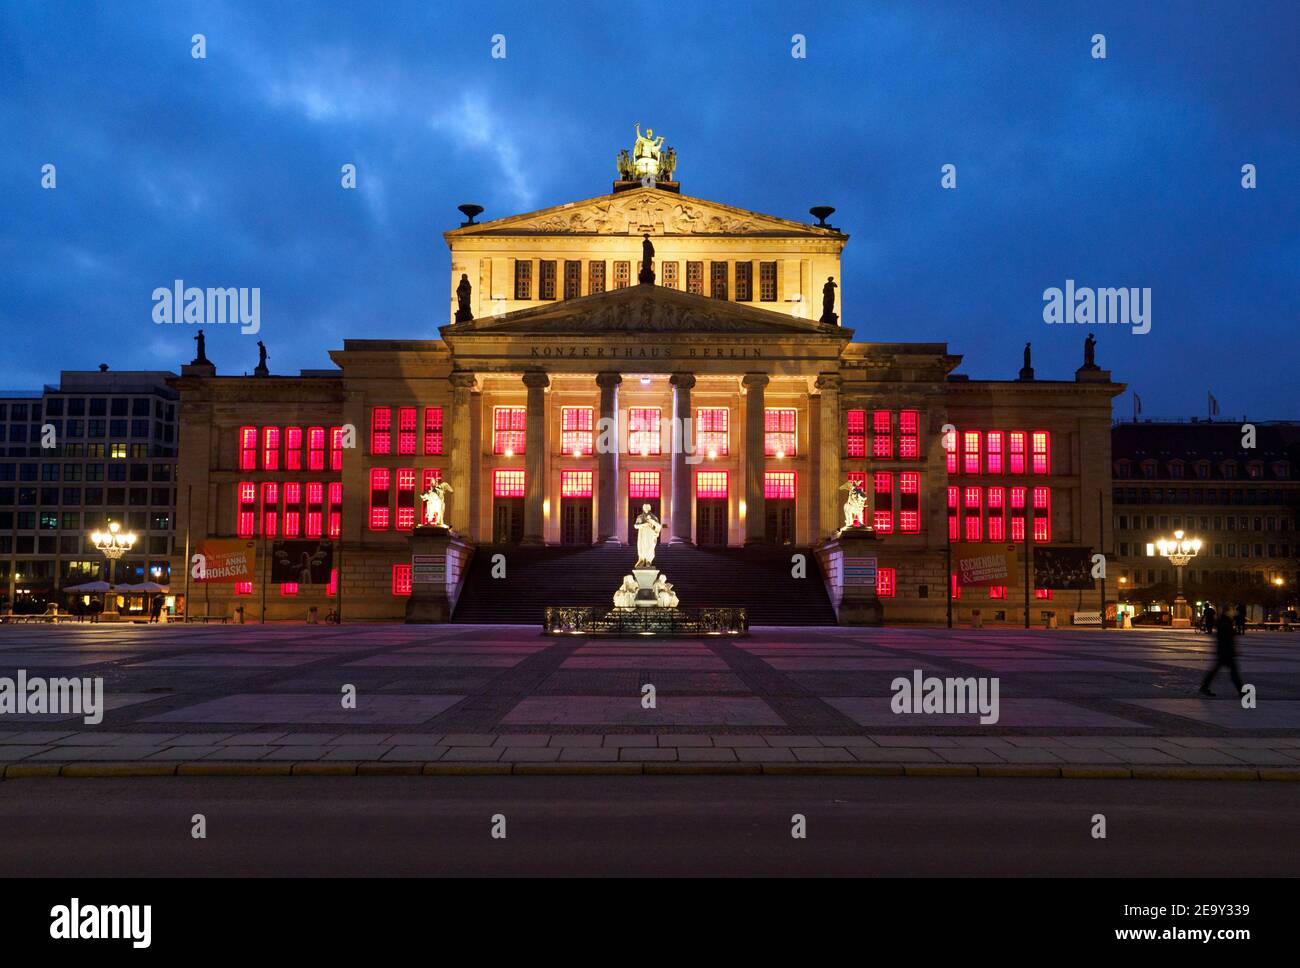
(247, 768)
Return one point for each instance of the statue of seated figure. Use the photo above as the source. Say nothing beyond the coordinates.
(664, 594)
(625, 597)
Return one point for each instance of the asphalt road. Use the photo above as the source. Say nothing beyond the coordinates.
(670, 825)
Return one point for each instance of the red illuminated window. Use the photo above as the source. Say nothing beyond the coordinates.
(432, 430)
(856, 440)
(909, 502)
(507, 482)
(779, 432)
(950, 450)
(336, 448)
(336, 509)
(428, 476)
(575, 483)
(575, 430)
(292, 509)
(315, 498)
(316, 448)
(642, 484)
(401, 579)
(778, 485)
(1017, 514)
(956, 589)
(243, 588)
(994, 455)
(288, 589)
(270, 448)
(332, 588)
(710, 484)
(882, 438)
(293, 448)
(1044, 593)
(1016, 452)
(954, 509)
(971, 452)
(711, 437)
(379, 480)
(1042, 461)
(406, 430)
(909, 431)
(997, 514)
(997, 591)
(643, 431)
(882, 515)
(973, 501)
(1042, 514)
(886, 585)
(381, 430)
(859, 478)
(247, 521)
(248, 448)
(509, 429)
(406, 497)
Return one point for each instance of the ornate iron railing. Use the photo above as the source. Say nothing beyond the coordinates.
(600, 620)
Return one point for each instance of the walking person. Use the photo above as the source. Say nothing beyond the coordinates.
(1241, 619)
(1225, 654)
(1207, 619)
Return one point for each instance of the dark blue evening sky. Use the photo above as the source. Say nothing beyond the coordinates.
(225, 171)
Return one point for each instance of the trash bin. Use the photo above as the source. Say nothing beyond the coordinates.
(239, 614)
(976, 619)
(1049, 620)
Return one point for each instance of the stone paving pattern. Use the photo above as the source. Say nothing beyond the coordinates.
(506, 694)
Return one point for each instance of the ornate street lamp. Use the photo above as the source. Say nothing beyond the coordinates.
(1179, 551)
(113, 543)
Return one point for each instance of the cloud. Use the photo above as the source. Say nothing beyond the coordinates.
(477, 126)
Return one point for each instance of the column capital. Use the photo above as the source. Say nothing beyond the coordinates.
(755, 381)
(829, 382)
(462, 379)
(536, 380)
(608, 378)
(682, 381)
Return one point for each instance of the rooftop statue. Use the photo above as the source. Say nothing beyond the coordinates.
(649, 159)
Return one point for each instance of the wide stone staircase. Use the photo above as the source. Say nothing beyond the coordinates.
(756, 578)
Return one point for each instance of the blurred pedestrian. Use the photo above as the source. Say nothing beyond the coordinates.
(1225, 655)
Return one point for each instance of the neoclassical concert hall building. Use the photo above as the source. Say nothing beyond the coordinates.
(561, 393)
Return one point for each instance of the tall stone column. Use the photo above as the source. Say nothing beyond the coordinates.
(462, 452)
(829, 517)
(755, 506)
(607, 462)
(535, 458)
(682, 419)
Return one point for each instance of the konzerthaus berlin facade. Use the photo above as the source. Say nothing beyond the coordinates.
(728, 340)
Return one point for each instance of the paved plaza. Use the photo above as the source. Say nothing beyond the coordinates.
(507, 695)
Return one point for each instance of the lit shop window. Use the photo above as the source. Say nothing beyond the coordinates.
(335, 509)
(406, 497)
(997, 591)
(1043, 593)
(575, 430)
(247, 521)
(909, 502)
(292, 509)
(909, 434)
(994, 454)
(886, 583)
(711, 438)
(956, 589)
(856, 434)
(882, 516)
(332, 588)
(401, 579)
(1042, 514)
(509, 429)
(1016, 452)
(778, 485)
(1017, 514)
(575, 483)
(293, 448)
(1042, 460)
(315, 493)
(710, 484)
(972, 499)
(779, 432)
(643, 431)
(379, 482)
(643, 484)
(507, 482)
(950, 450)
(248, 448)
(270, 448)
(243, 588)
(859, 478)
(882, 439)
(288, 589)
(954, 509)
(997, 512)
(432, 431)
(971, 452)
(406, 417)
(381, 430)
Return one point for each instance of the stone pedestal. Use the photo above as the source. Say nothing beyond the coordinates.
(849, 561)
(645, 593)
(439, 557)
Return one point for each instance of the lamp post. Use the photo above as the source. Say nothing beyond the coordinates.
(1178, 551)
(114, 543)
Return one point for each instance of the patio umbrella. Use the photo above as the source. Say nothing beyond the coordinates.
(149, 586)
(90, 586)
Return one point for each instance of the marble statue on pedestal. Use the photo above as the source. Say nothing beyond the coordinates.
(625, 597)
(664, 594)
(647, 536)
(435, 503)
(855, 506)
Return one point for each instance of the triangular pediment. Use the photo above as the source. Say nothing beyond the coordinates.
(643, 310)
(651, 210)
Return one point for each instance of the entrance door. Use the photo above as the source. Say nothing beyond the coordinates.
(634, 508)
(780, 521)
(507, 520)
(575, 521)
(711, 522)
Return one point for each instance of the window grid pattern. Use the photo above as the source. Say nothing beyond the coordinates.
(779, 485)
(507, 482)
(509, 429)
(575, 483)
(779, 432)
(710, 484)
(711, 435)
(576, 430)
(643, 430)
(643, 484)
